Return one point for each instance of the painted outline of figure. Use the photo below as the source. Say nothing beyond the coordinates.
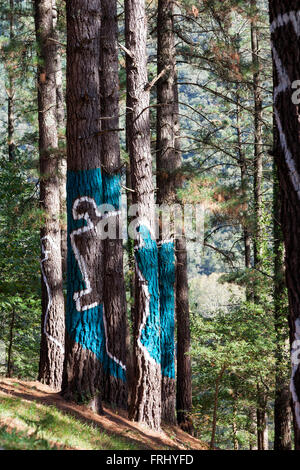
(45, 254)
(85, 208)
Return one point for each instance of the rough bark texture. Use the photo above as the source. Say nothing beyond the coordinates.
(10, 344)
(258, 136)
(253, 428)
(11, 92)
(262, 422)
(168, 161)
(282, 417)
(53, 321)
(184, 369)
(132, 282)
(286, 60)
(115, 391)
(146, 397)
(234, 426)
(62, 163)
(282, 404)
(243, 168)
(86, 352)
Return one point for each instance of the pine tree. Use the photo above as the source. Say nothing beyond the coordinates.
(145, 404)
(262, 420)
(60, 117)
(86, 355)
(184, 368)
(285, 50)
(115, 390)
(167, 163)
(52, 339)
(11, 90)
(282, 404)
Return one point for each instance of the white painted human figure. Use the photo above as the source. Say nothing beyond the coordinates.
(48, 244)
(86, 246)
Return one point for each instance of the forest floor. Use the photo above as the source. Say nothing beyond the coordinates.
(32, 416)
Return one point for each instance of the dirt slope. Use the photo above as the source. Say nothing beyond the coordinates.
(113, 422)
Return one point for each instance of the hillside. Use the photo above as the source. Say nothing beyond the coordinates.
(32, 416)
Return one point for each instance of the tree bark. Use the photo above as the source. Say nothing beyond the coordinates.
(262, 420)
(286, 62)
(146, 398)
(234, 425)
(184, 370)
(132, 282)
(53, 322)
(282, 417)
(167, 162)
(216, 403)
(115, 390)
(10, 344)
(62, 162)
(253, 428)
(282, 404)
(11, 92)
(86, 349)
(243, 168)
(258, 136)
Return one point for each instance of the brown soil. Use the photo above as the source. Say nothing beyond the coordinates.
(112, 422)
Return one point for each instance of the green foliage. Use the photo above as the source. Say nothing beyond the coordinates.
(13, 440)
(19, 264)
(241, 341)
(47, 427)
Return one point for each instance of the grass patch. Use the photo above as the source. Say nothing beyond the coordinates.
(48, 426)
(13, 440)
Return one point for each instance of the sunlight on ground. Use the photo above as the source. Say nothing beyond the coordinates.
(46, 428)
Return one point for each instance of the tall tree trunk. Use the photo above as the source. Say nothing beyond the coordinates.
(62, 163)
(253, 428)
(246, 233)
(53, 320)
(243, 168)
(216, 404)
(285, 38)
(258, 136)
(86, 347)
(115, 390)
(131, 275)
(167, 162)
(10, 344)
(11, 91)
(234, 424)
(146, 398)
(184, 368)
(262, 421)
(282, 405)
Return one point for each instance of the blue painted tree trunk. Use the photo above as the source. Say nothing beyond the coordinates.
(166, 258)
(84, 320)
(89, 358)
(145, 404)
(115, 311)
(167, 308)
